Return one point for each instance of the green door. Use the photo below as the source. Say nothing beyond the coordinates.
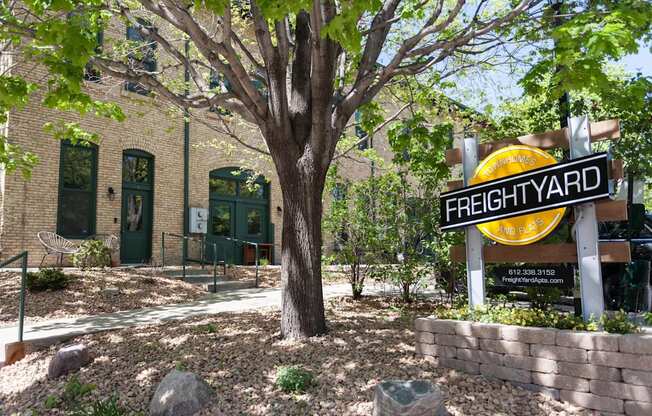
(237, 213)
(137, 207)
(252, 220)
(221, 228)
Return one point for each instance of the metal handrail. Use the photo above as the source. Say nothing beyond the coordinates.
(184, 249)
(21, 307)
(186, 238)
(257, 252)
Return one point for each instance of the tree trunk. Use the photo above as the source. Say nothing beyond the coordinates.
(302, 184)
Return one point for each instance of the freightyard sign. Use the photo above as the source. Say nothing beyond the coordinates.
(554, 186)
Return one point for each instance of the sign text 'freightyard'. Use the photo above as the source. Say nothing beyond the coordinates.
(574, 182)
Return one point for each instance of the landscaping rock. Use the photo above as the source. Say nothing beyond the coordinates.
(68, 359)
(180, 393)
(110, 291)
(408, 398)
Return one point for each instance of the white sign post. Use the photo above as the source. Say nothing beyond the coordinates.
(586, 229)
(474, 259)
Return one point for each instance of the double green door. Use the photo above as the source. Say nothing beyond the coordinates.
(234, 221)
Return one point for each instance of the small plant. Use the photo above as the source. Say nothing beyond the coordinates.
(543, 297)
(73, 392)
(46, 279)
(647, 317)
(294, 379)
(92, 253)
(263, 262)
(51, 402)
(180, 366)
(206, 328)
(619, 323)
(108, 407)
(71, 402)
(148, 280)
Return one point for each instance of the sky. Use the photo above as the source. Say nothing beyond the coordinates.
(482, 89)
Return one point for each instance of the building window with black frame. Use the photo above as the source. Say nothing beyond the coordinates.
(341, 237)
(360, 133)
(143, 58)
(77, 190)
(219, 85)
(91, 72)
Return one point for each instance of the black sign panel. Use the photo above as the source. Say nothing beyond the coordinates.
(573, 182)
(542, 276)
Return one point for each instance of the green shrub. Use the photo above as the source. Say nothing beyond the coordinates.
(92, 253)
(46, 279)
(518, 316)
(619, 323)
(293, 379)
(543, 297)
(647, 317)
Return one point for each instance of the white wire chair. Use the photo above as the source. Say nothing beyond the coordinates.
(55, 244)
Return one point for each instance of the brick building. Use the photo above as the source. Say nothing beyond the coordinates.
(132, 183)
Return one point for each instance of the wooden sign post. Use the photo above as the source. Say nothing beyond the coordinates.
(474, 260)
(586, 230)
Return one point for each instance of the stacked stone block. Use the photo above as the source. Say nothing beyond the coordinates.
(609, 373)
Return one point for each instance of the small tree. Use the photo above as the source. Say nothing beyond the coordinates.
(350, 221)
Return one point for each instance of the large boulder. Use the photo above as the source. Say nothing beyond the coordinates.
(69, 359)
(408, 398)
(180, 393)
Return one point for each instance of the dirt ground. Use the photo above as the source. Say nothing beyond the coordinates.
(238, 354)
(85, 295)
(270, 276)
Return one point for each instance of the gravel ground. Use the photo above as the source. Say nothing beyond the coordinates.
(238, 354)
(84, 296)
(270, 276)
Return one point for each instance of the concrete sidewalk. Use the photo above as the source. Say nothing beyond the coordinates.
(231, 301)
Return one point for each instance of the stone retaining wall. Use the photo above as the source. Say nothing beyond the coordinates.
(607, 372)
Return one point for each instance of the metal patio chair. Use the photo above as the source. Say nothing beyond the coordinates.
(55, 244)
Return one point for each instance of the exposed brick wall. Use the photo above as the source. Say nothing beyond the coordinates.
(606, 372)
(27, 207)
(30, 206)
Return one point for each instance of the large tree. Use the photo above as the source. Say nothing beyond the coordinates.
(313, 62)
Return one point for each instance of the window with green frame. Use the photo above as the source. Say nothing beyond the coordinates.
(77, 190)
(144, 58)
(225, 183)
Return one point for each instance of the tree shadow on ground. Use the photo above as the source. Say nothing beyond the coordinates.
(238, 355)
(85, 296)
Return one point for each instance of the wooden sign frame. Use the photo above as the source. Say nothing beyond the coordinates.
(588, 254)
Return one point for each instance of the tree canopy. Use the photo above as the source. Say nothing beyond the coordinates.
(297, 70)
(348, 51)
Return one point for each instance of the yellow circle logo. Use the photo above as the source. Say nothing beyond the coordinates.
(524, 229)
